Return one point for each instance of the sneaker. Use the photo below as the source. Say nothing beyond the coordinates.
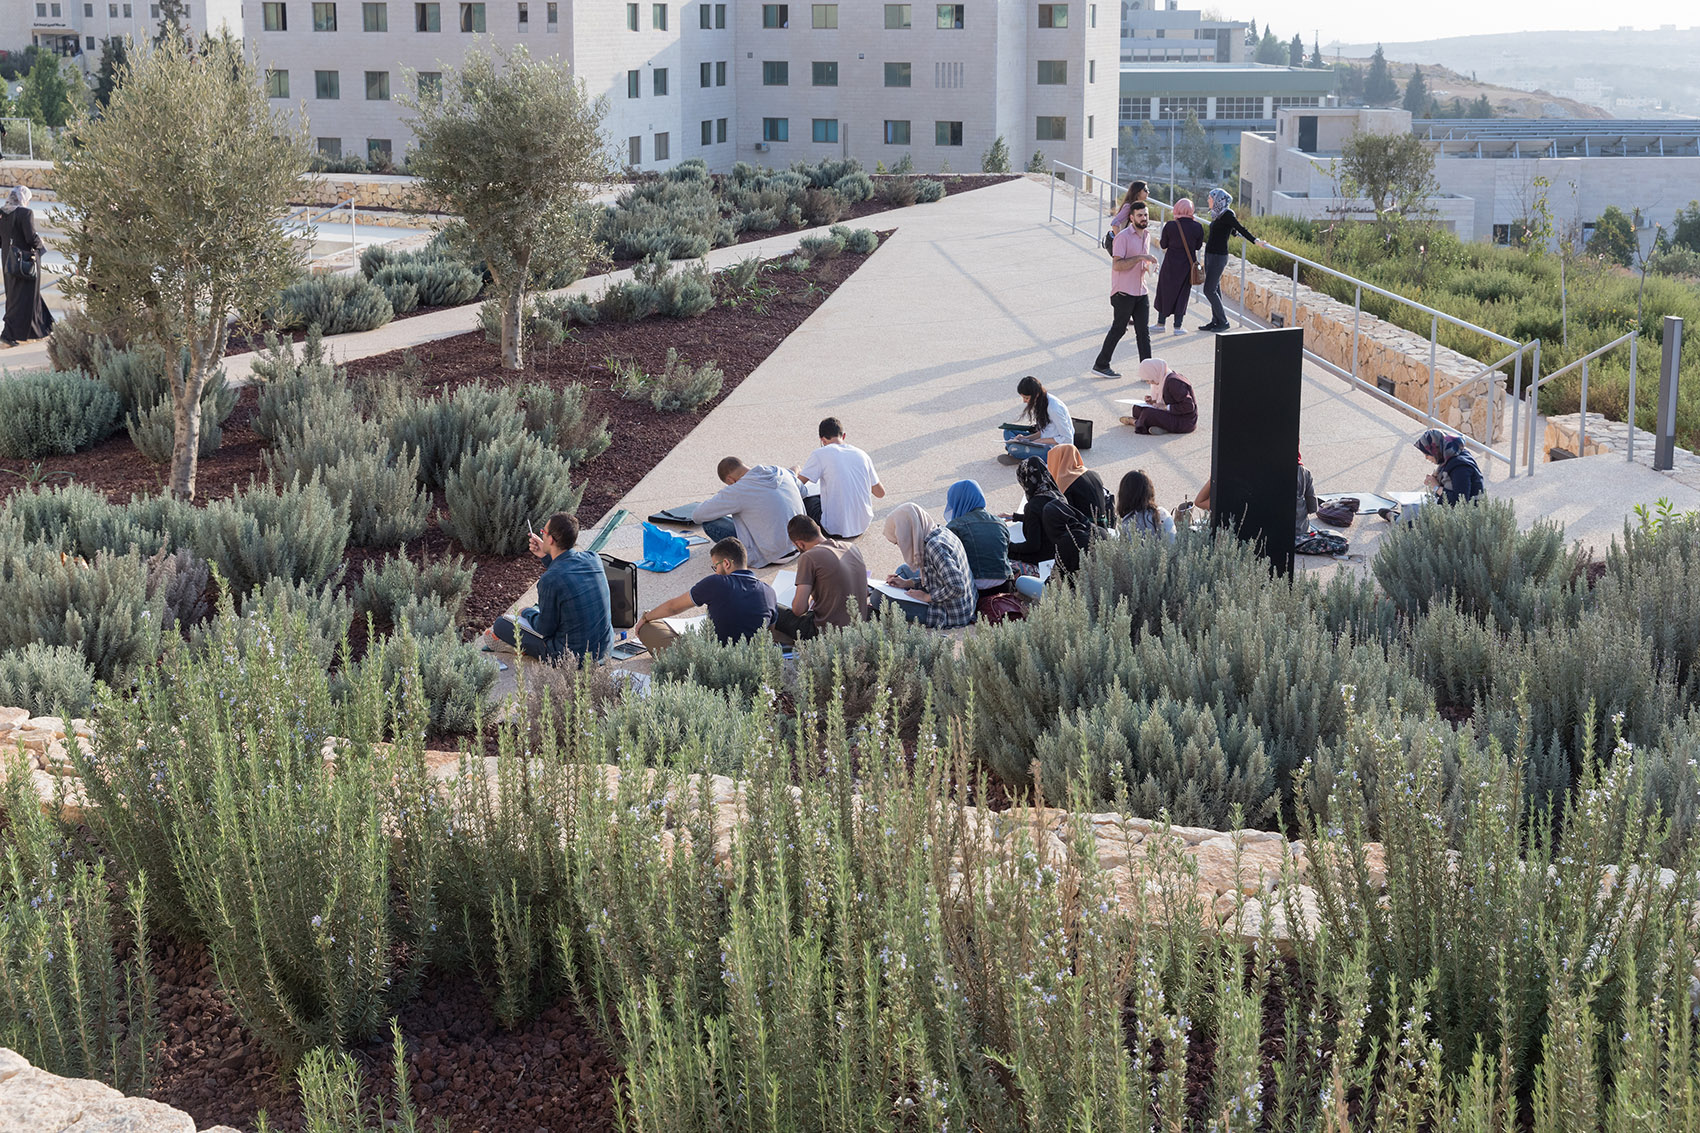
(1388, 513)
(1128, 421)
(1214, 326)
(1178, 329)
(1105, 372)
(1158, 431)
(1008, 458)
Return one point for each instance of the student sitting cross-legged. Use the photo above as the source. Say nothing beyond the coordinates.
(739, 604)
(572, 612)
(935, 570)
(832, 585)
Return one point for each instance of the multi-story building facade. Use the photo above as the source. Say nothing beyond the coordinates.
(1159, 31)
(75, 28)
(1228, 98)
(729, 81)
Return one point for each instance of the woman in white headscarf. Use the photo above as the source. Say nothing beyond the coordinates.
(935, 569)
(1223, 224)
(21, 249)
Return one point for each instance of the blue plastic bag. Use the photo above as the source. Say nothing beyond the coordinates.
(662, 550)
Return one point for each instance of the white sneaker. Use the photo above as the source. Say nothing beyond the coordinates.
(1178, 329)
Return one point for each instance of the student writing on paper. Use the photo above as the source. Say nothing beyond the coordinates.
(753, 507)
(832, 585)
(935, 570)
(739, 604)
(848, 483)
(572, 614)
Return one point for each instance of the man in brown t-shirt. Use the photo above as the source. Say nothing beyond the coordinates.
(832, 584)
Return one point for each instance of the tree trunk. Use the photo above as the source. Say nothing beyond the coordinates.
(186, 421)
(513, 355)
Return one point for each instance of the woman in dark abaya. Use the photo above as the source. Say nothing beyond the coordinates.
(21, 249)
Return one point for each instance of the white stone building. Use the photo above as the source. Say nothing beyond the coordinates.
(767, 83)
(75, 28)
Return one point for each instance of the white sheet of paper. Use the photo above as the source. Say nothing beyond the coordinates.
(1045, 569)
(785, 588)
(685, 625)
(892, 591)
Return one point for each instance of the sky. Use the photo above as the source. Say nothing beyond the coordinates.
(1354, 21)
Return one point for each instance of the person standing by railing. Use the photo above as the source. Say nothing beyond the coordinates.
(1223, 225)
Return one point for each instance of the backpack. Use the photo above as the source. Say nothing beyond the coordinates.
(1320, 543)
(998, 607)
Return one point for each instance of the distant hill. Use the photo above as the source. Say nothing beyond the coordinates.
(1634, 65)
(1446, 84)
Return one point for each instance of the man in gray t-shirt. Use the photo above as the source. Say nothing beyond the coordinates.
(832, 584)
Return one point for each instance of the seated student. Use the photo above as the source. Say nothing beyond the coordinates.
(739, 604)
(848, 483)
(984, 536)
(1304, 502)
(935, 570)
(1170, 407)
(572, 614)
(1456, 477)
(1136, 504)
(1080, 486)
(753, 507)
(1051, 423)
(832, 585)
(1050, 527)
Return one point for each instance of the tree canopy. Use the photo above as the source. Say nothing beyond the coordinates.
(1685, 228)
(1614, 237)
(1379, 87)
(1394, 172)
(46, 96)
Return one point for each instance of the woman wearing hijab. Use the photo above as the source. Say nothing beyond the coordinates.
(1456, 477)
(1081, 487)
(935, 570)
(1223, 225)
(984, 537)
(1182, 240)
(21, 249)
(1050, 527)
(1170, 407)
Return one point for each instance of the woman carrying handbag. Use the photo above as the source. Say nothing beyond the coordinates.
(1179, 274)
(21, 249)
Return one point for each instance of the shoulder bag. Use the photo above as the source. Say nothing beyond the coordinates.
(1197, 274)
(20, 262)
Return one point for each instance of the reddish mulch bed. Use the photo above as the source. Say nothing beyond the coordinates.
(552, 1075)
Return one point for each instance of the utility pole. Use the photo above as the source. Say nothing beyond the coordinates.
(1171, 159)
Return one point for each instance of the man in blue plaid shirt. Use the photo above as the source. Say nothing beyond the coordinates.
(572, 614)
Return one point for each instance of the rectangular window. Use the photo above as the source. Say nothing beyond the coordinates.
(427, 17)
(707, 72)
(662, 147)
(826, 130)
(429, 84)
(707, 126)
(776, 15)
(274, 17)
(1049, 128)
(277, 84)
(90, 44)
(330, 147)
(658, 18)
(472, 19)
(1053, 72)
(775, 74)
(634, 84)
(947, 133)
(378, 151)
(634, 150)
(1182, 106)
(897, 74)
(896, 133)
(1135, 109)
(950, 17)
(324, 17)
(720, 74)
(127, 11)
(720, 129)
(720, 15)
(88, 11)
(375, 17)
(1053, 15)
(554, 16)
(153, 11)
(659, 80)
(776, 129)
(825, 16)
(111, 10)
(631, 17)
(525, 17)
(1092, 14)
(1239, 107)
(705, 16)
(327, 84)
(823, 74)
(1092, 70)
(896, 16)
(1091, 120)
(377, 86)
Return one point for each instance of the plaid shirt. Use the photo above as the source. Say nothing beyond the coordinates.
(946, 577)
(572, 606)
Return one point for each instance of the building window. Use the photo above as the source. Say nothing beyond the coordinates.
(776, 15)
(1296, 100)
(824, 16)
(553, 17)
(947, 133)
(375, 17)
(1051, 128)
(429, 84)
(705, 16)
(274, 17)
(1053, 15)
(1502, 234)
(720, 74)
(634, 150)
(707, 126)
(658, 18)
(662, 147)
(427, 17)
(472, 19)
(329, 147)
(659, 81)
(776, 129)
(88, 11)
(631, 17)
(720, 129)
(1239, 107)
(1091, 123)
(327, 84)
(896, 133)
(525, 17)
(1135, 109)
(634, 84)
(1053, 72)
(896, 16)
(153, 11)
(775, 74)
(324, 17)
(897, 74)
(127, 11)
(950, 17)
(1092, 70)
(720, 15)
(377, 86)
(824, 74)
(90, 44)
(1092, 15)
(378, 151)
(947, 76)
(1180, 107)
(277, 84)
(111, 10)
(826, 130)
(706, 72)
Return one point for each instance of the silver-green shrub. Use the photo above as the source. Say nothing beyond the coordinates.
(1652, 580)
(683, 723)
(354, 461)
(437, 282)
(822, 247)
(387, 587)
(928, 190)
(556, 415)
(75, 519)
(887, 665)
(444, 430)
(293, 531)
(324, 614)
(744, 670)
(455, 678)
(49, 413)
(49, 680)
(861, 241)
(288, 382)
(496, 489)
(152, 427)
(336, 304)
(100, 607)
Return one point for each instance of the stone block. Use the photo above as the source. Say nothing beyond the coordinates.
(132, 1115)
(36, 1100)
(11, 719)
(11, 1062)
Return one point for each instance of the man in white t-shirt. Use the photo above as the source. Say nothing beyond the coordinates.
(848, 482)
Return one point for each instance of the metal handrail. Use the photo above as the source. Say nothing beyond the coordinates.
(307, 219)
(1634, 340)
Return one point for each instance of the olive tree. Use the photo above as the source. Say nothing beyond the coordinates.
(1395, 172)
(514, 146)
(177, 192)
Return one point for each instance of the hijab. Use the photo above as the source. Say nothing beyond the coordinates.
(18, 197)
(1183, 208)
(1065, 464)
(1439, 445)
(964, 496)
(1035, 479)
(1219, 199)
(1155, 371)
(909, 527)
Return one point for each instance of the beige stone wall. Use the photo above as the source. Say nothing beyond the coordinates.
(1384, 350)
(35, 1101)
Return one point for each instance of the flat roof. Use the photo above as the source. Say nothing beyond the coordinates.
(1223, 78)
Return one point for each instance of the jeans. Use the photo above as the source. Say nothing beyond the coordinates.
(1136, 308)
(1214, 265)
(718, 529)
(1021, 450)
(528, 643)
(1028, 586)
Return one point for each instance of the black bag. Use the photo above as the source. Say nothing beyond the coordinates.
(1110, 243)
(20, 262)
(622, 591)
(1082, 433)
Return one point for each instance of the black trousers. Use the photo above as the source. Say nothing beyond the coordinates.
(1126, 307)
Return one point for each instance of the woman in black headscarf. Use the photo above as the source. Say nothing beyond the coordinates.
(1050, 528)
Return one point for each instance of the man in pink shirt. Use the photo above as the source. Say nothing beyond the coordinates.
(1131, 256)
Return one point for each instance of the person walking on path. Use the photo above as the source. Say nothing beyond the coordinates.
(848, 483)
(21, 248)
(1182, 240)
(1170, 407)
(1131, 255)
(1223, 225)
